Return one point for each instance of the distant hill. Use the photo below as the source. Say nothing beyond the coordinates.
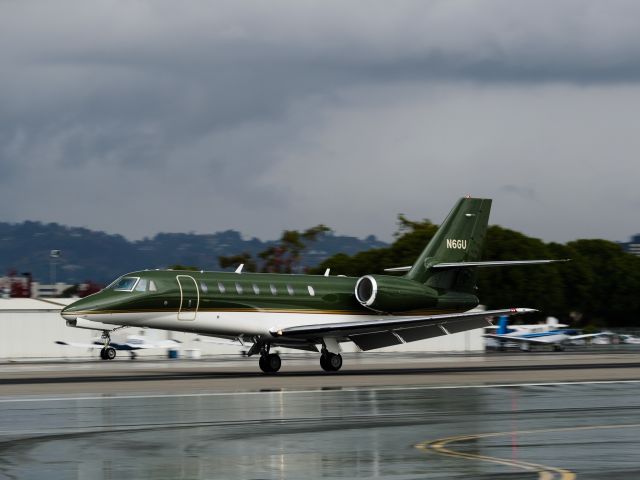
(101, 257)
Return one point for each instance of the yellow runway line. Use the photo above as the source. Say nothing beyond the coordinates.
(545, 472)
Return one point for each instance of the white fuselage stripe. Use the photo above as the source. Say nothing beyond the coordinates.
(227, 323)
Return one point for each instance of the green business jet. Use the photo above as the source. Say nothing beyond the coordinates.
(434, 297)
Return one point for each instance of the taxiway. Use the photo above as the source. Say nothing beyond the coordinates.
(538, 416)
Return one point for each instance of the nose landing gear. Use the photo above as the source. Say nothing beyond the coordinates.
(107, 352)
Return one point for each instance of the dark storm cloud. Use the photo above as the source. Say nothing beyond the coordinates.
(525, 192)
(208, 115)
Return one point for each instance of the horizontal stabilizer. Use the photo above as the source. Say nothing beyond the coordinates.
(497, 263)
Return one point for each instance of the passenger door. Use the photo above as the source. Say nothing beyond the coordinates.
(189, 297)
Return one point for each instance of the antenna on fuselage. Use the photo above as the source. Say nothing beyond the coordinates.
(326, 272)
(239, 269)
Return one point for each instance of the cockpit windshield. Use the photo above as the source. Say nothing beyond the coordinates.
(124, 284)
(130, 284)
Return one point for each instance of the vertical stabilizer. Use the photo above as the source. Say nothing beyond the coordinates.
(503, 325)
(459, 239)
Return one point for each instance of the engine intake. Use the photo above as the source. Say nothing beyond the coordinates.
(383, 293)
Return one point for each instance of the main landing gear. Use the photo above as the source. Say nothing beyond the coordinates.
(107, 352)
(330, 362)
(269, 362)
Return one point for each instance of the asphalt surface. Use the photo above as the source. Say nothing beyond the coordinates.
(226, 374)
(542, 416)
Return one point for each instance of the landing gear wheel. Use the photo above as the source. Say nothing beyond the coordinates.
(331, 362)
(103, 354)
(270, 363)
(109, 353)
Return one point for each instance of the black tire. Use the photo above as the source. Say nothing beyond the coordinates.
(335, 362)
(103, 354)
(274, 362)
(264, 365)
(331, 362)
(324, 363)
(110, 353)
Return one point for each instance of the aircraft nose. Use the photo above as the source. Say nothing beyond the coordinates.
(68, 312)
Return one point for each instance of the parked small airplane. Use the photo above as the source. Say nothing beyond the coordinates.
(131, 344)
(631, 339)
(551, 333)
(264, 310)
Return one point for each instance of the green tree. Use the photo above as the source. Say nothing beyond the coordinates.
(411, 238)
(235, 260)
(184, 267)
(599, 286)
(283, 257)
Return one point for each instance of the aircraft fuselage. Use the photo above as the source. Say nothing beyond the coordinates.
(230, 304)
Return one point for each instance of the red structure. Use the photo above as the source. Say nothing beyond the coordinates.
(19, 286)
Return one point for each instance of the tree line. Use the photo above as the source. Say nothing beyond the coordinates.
(598, 288)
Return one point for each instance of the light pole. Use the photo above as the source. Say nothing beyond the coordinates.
(53, 257)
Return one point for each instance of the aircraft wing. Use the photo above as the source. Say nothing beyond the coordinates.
(590, 335)
(370, 334)
(144, 345)
(79, 345)
(509, 338)
(122, 346)
(237, 342)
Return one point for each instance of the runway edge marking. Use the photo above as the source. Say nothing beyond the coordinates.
(324, 390)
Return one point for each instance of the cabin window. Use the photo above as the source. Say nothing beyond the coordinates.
(203, 287)
(125, 284)
(221, 287)
(238, 288)
(274, 290)
(141, 285)
(312, 292)
(256, 289)
(290, 289)
(152, 286)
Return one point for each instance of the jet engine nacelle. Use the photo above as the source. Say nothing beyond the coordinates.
(383, 293)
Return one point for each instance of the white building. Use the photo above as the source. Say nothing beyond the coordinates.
(30, 328)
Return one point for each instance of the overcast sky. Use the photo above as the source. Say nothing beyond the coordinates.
(137, 117)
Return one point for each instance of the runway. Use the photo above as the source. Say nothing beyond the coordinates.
(231, 374)
(473, 416)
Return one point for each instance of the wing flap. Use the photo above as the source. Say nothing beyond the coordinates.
(467, 324)
(420, 333)
(370, 341)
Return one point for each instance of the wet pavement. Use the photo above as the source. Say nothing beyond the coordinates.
(585, 430)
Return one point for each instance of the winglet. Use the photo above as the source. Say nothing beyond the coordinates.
(239, 269)
(326, 272)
